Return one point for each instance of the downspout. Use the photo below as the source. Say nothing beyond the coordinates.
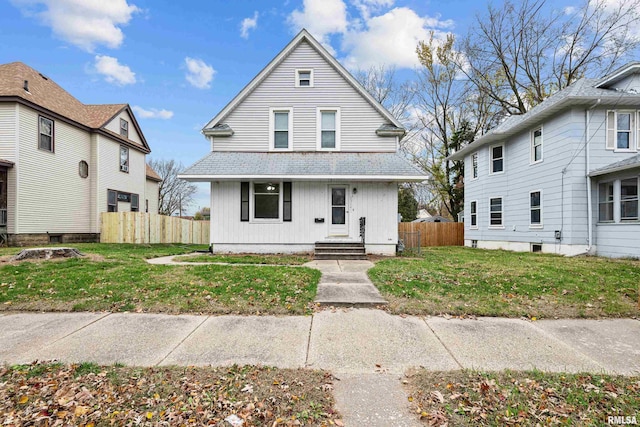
(587, 151)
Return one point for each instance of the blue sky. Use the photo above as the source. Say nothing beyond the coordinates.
(177, 63)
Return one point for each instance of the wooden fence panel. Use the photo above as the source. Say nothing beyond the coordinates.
(436, 233)
(140, 227)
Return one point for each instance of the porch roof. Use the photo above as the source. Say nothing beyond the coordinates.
(6, 163)
(226, 165)
(622, 165)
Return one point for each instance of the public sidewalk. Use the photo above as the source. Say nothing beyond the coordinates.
(368, 350)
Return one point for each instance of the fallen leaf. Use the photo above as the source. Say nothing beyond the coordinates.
(23, 400)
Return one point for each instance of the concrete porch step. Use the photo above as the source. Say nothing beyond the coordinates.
(340, 256)
(340, 250)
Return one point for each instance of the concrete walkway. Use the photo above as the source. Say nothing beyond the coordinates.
(345, 283)
(367, 350)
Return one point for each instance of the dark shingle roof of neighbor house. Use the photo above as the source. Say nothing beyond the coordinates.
(626, 164)
(6, 163)
(303, 165)
(583, 92)
(435, 218)
(47, 94)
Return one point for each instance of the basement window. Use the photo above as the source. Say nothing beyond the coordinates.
(535, 247)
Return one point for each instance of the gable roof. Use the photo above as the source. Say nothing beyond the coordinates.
(152, 175)
(619, 74)
(47, 94)
(308, 165)
(584, 92)
(303, 35)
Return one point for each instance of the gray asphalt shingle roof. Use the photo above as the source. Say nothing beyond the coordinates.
(630, 163)
(223, 164)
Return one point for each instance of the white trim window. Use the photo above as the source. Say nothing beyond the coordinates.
(621, 130)
(280, 128)
(266, 200)
(474, 165)
(496, 213)
(629, 199)
(473, 209)
(535, 209)
(497, 158)
(605, 202)
(328, 128)
(304, 77)
(124, 128)
(45, 131)
(536, 145)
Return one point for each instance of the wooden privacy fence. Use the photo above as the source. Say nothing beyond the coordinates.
(435, 233)
(140, 227)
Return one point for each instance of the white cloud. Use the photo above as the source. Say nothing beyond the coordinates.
(113, 71)
(199, 73)
(248, 24)
(570, 10)
(320, 18)
(391, 39)
(366, 7)
(84, 23)
(152, 113)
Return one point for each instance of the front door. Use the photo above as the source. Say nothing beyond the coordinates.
(339, 225)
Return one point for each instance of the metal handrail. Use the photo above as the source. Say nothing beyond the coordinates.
(363, 223)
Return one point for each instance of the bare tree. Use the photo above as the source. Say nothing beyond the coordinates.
(382, 84)
(175, 194)
(520, 53)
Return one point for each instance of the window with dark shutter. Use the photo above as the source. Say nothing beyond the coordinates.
(244, 201)
(286, 201)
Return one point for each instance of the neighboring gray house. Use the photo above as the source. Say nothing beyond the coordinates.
(303, 154)
(562, 178)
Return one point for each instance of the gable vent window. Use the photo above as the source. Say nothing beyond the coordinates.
(124, 128)
(124, 159)
(83, 169)
(45, 128)
(304, 78)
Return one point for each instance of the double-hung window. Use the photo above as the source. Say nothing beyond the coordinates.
(124, 159)
(281, 129)
(45, 129)
(536, 146)
(328, 126)
(112, 201)
(605, 201)
(124, 128)
(621, 130)
(497, 158)
(304, 78)
(474, 165)
(495, 212)
(535, 208)
(629, 199)
(474, 214)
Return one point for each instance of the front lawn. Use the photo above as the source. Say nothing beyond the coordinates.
(117, 278)
(91, 395)
(468, 398)
(277, 259)
(465, 281)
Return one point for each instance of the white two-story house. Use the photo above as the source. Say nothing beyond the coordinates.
(303, 154)
(563, 177)
(63, 163)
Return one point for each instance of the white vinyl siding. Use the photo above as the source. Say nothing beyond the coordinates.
(151, 195)
(52, 196)
(309, 201)
(250, 120)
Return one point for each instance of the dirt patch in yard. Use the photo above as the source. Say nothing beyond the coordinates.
(8, 259)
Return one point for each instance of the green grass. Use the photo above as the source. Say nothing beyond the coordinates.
(248, 259)
(87, 394)
(469, 398)
(465, 281)
(117, 278)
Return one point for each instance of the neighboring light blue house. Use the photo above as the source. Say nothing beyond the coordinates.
(562, 178)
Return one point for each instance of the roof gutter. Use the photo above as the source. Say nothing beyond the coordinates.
(395, 178)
